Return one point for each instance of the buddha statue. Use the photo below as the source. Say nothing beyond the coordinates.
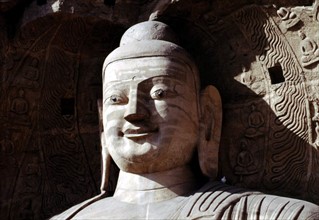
(309, 49)
(163, 133)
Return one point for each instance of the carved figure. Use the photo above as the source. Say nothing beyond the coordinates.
(154, 119)
(288, 18)
(245, 162)
(255, 122)
(32, 171)
(7, 150)
(19, 105)
(32, 72)
(309, 49)
(6, 146)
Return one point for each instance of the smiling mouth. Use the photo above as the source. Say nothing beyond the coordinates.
(138, 133)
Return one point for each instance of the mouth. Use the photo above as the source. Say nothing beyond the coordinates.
(138, 133)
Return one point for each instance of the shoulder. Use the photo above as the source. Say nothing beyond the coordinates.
(71, 212)
(68, 213)
(217, 200)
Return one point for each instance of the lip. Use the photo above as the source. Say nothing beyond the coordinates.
(138, 133)
(132, 136)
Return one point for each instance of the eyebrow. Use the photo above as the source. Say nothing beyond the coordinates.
(116, 85)
(169, 76)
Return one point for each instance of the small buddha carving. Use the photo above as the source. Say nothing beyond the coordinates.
(245, 162)
(19, 105)
(309, 50)
(288, 18)
(255, 122)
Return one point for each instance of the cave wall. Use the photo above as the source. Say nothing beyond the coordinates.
(252, 51)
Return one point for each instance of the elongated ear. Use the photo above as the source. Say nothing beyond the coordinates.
(106, 158)
(210, 131)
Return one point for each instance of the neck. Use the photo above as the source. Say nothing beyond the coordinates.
(154, 187)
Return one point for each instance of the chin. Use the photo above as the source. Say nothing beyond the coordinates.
(158, 164)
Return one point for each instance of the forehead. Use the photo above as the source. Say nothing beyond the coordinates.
(145, 68)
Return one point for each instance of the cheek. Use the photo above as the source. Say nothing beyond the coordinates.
(112, 119)
(178, 109)
(161, 108)
(113, 113)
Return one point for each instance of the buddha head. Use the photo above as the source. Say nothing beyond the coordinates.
(154, 115)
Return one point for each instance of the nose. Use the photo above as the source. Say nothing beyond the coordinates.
(135, 111)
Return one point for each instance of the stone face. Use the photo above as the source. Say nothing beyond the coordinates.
(154, 118)
(255, 54)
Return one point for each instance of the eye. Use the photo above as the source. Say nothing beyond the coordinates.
(115, 99)
(158, 94)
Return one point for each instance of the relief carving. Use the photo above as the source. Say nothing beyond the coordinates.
(255, 123)
(7, 150)
(42, 68)
(245, 162)
(309, 49)
(262, 59)
(19, 104)
(31, 74)
(288, 18)
(19, 109)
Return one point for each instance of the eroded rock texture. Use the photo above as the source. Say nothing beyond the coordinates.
(49, 141)
(263, 57)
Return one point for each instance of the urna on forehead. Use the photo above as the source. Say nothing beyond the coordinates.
(150, 40)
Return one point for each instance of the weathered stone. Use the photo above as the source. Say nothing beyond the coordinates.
(154, 120)
(51, 56)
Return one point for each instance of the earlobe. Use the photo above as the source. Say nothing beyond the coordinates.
(100, 115)
(210, 131)
(106, 158)
(106, 165)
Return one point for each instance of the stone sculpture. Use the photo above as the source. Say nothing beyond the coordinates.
(155, 118)
(245, 162)
(288, 17)
(309, 49)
